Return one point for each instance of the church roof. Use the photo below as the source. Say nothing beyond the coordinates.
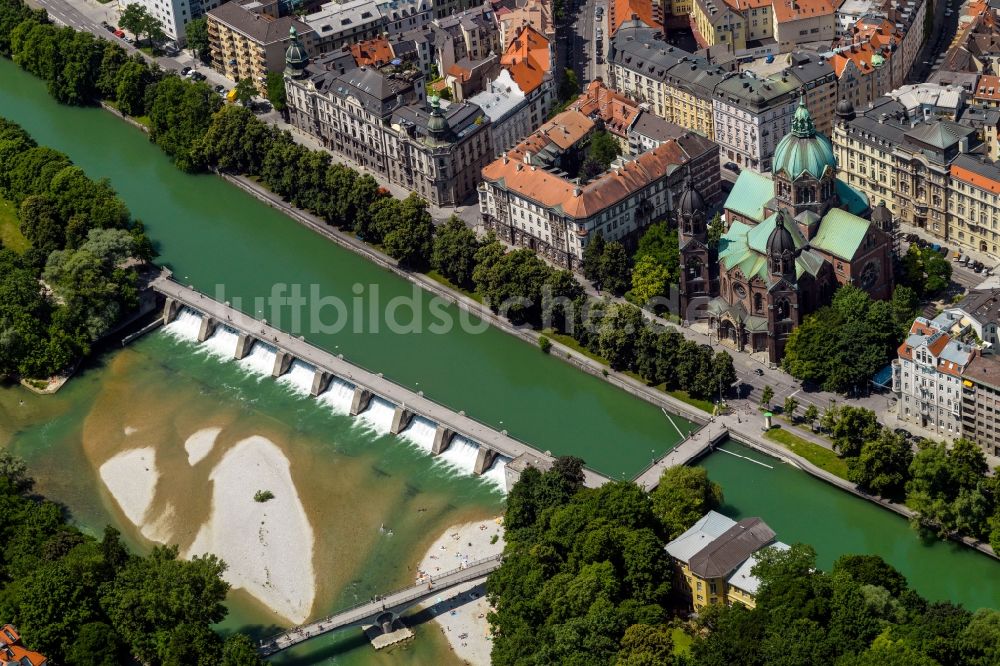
(855, 200)
(803, 150)
(750, 193)
(840, 233)
(745, 247)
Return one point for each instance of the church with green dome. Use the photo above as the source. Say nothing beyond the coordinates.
(793, 237)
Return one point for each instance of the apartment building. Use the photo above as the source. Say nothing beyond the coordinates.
(974, 203)
(907, 165)
(981, 404)
(247, 39)
(508, 109)
(174, 15)
(341, 24)
(751, 116)
(615, 111)
(531, 196)
(927, 378)
(816, 76)
(379, 119)
(800, 21)
(403, 15)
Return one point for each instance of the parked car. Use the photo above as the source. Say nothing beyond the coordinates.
(185, 71)
(904, 432)
(759, 372)
(944, 251)
(220, 89)
(119, 34)
(107, 26)
(732, 166)
(198, 76)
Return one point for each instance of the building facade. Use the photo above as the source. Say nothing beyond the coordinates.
(380, 120)
(247, 40)
(714, 559)
(981, 404)
(751, 117)
(927, 378)
(530, 199)
(792, 239)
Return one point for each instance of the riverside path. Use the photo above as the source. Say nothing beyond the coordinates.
(384, 609)
(408, 403)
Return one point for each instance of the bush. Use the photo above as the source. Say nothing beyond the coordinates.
(545, 344)
(263, 496)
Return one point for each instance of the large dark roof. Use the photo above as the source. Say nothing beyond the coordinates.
(461, 117)
(258, 27)
(721, 557)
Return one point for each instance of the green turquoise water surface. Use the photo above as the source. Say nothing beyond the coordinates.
(803, 509)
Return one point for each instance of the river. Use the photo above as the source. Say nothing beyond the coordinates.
(353, 480)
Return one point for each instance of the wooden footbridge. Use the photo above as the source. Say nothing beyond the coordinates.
(382, 610)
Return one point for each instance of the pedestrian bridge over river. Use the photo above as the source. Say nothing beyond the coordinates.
(384, 610)
(491, 443)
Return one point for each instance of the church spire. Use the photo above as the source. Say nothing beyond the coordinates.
(802, 122)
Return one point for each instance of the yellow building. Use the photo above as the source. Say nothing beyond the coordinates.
(715, 22)
(248, 39)
(713, 560)
(687, 95)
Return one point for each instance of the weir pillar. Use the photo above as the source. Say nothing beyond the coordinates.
(400, 419)
(207, 328)
(362, 398)
(484, 459)
(243, 346)
(282, 361)
(170, 308)
(442, 439)
(321, 382)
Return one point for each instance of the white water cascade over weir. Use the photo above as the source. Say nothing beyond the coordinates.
(460, 443)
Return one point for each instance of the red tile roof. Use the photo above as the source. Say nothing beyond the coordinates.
(988, 88)
(646, 11)
(976, 179)
(527, 59)
(792, 10)
(375, 52)
(616, 110)
(11, 649)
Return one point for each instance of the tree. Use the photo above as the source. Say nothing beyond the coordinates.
(569, 87)
(925, 270)
(812, 413)
(660, 242)
(948, 490)
(882, 466)
(137, 20)
(97, 644)
(179, 117)
(276, 91)
(130, 88)
(618, 333)
(593, 253)
(156, 598)
(647, 645)
(454, 256)
(789, 408)
(716, 228)
(650, 279)
(615, 268)
(245, 91)
(411, 240)
(766, 396)
(603, 149)
(904, 307)
(197, 38)
(851, 427)
(684, 495)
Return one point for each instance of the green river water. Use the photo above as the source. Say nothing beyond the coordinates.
(352, 480)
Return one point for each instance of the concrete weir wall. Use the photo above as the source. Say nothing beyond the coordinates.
(408, 404)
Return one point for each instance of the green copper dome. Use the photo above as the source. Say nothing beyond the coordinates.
(803, 150)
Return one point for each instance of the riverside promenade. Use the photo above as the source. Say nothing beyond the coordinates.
(383, 610)
(408, 403)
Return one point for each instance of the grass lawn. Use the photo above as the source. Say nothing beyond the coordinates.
(437, 277)
(682, 642)
(703, 405)
(571, 342)
(814, 453)
(10, 233)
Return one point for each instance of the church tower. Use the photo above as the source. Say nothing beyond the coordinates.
(697, 261)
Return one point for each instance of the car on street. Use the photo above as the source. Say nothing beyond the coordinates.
(185, 71)
(119, 34)
(759, 372)
(198, 76)
(107, 26)
(731, 166)
(220, 89)
(903, 432)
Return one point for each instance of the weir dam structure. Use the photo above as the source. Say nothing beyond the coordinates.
(323, 371)
(384, 610)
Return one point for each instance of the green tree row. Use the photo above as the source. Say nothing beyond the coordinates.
(74, 282)
(947, 486)
(83, 601)
(188, 121)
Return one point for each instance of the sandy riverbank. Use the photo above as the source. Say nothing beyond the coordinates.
(267, 546)
(461, 612)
